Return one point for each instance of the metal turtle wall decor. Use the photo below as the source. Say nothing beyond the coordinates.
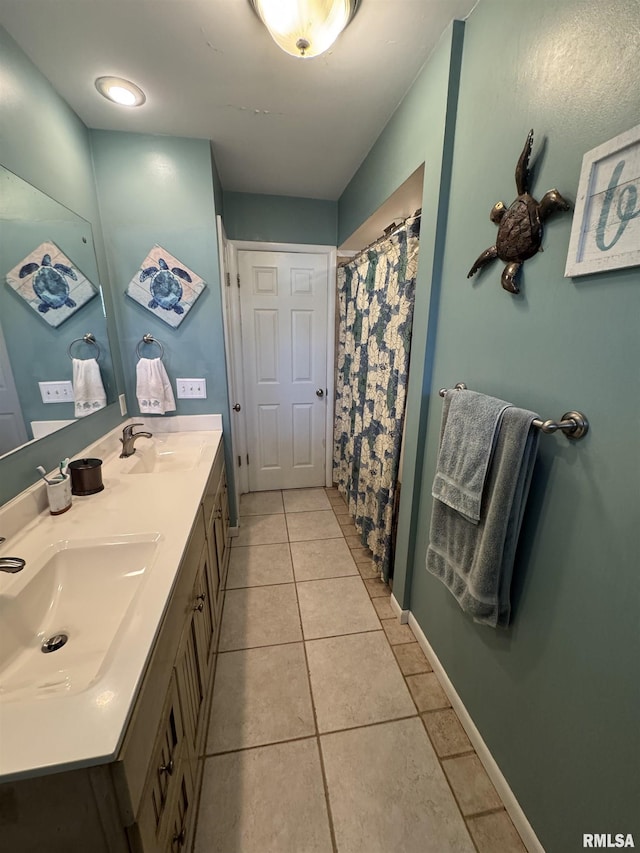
(519, 225)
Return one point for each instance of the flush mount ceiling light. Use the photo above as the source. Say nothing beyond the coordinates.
(121, 91)
(305, 28)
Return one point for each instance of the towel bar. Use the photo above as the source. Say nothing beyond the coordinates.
(573, 424)
(149, 339)
(89, 338)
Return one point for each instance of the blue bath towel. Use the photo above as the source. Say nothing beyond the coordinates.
(475, 561)
(470, 425)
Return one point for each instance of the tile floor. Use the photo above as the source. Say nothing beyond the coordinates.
(329, 731)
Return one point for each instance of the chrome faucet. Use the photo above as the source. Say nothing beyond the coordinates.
(129, 437)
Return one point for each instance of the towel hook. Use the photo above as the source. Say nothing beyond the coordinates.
(149, 339)
(573, 424)
(89, 338)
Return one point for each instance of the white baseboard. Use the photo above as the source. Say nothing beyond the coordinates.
(524, 828)
(403, 615)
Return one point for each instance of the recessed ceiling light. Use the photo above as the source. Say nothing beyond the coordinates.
(121, 91)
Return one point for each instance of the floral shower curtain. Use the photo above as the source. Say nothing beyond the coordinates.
(375, 298)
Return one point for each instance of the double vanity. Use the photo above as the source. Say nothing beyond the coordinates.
(108, 639)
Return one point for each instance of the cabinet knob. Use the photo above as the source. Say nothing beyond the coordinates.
(237, 407)
(199, 607)
(166, 768)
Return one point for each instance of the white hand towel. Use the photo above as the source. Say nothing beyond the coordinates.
(153, 389)
(88, 390)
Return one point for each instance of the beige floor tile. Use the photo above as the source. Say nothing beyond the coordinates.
(257, 565)
(259, 616)
(338, 606)
(260, 696)
(361, 554)
(353, 542)
(411, 659)
(265, 800)
(367, 570)
(261, 503)
(446, 732)
(303, 500)
(383, 608)
(337, 500)
(356, 681)
(320, 524)
(322, 558)
(377, 588)
(331, 491)
(471, 785)
(261, 530)
(427, 692)
(341, 509)
(397, 633)
(495, 832)
(347, 525)
(387, 792)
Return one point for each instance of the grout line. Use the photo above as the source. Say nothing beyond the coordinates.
(320, 735)
(325, 784)
(486, 812)
(253, 746)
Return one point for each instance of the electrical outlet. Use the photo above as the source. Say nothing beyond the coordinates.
(191, 388)
(56, 392)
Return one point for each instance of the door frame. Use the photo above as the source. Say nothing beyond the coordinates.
(233, 328)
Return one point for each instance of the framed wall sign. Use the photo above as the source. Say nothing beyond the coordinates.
(605, 234)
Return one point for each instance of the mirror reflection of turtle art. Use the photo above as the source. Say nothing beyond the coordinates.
(520, 225)
(165, 286)
(51, 284)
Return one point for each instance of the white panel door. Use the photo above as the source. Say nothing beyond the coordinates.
(283, 299)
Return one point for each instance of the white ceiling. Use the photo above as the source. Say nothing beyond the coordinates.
(210, 70)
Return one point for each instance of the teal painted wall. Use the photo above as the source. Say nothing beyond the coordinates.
(556, 696)
(58, 163)
(160, 189)
(280, 219)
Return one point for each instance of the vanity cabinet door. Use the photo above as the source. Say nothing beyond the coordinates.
(180, 822)
(224, 506)
(195, 657)
(162, 787)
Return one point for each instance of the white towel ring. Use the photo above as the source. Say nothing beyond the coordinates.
(89, 338)
(149, 339)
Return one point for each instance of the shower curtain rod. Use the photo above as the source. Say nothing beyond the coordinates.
(386, 234)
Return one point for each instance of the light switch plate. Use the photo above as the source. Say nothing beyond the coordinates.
(191, 388)
(56, 392)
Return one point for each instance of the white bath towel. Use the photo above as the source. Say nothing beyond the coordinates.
(153, 389)
(88, 390)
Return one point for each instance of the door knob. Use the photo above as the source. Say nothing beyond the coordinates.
(319, 393)
(237, 407)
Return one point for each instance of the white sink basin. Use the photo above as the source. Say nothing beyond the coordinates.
(165, 454)
(82, 589)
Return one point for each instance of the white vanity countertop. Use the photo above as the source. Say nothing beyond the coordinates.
(61, 731)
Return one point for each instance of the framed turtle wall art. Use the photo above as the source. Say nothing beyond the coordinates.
(165, 286)
(51, 284)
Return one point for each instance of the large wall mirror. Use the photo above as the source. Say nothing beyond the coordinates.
(50, 299)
